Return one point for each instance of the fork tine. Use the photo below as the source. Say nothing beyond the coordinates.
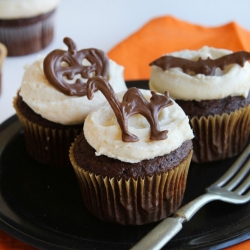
(233, 169)
(244, 186)
(239, 176)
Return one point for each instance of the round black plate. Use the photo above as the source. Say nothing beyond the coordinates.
(43, 206)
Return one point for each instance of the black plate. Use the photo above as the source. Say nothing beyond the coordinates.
(43, 207)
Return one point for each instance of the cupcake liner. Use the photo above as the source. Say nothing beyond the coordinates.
(48, 145)
(3, 53)
(132, 201)
(220, 136)
(0, 83)
(27, 36)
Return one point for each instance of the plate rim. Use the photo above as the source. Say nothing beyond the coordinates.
(27, 237)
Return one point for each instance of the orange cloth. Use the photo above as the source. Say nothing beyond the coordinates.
(242, 246)
(167, 34)
(7, 242)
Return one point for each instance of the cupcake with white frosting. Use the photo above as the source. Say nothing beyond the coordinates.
(26, 26)
(133, 171)
(214, 92)
(51, 114)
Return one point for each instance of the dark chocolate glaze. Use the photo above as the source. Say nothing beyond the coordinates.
(133, 103)
(212, 107)
(56, 73)
(206, 67)
(102, 165)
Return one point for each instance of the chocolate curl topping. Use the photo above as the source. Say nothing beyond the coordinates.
(133, 103)
(206, 67)
(66, 72)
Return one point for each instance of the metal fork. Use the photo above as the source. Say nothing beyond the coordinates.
(232, 187)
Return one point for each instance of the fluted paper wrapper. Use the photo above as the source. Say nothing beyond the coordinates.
(133, 201)
(29, 37)
(221, 136)
(47, 145)
(3, 54)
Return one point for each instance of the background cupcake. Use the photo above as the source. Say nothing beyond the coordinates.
(214, 96)
(133, 179)
(51, 118)
(3, 54)
(26, 26)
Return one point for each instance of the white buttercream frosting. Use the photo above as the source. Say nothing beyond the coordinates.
(57, 107)
(12, 9)
(104, 134)
(234, 80)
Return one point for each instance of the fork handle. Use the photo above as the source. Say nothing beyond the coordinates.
(160, 235)
(170, 226)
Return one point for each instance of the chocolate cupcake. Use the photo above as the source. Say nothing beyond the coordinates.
(134, 171)
(26, 26)
(212, 86)
(50, 115)
(3, 53)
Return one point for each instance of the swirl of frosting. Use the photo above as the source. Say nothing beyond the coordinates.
(234, 80)
(103, 133)
(14, 9)
(55, 106)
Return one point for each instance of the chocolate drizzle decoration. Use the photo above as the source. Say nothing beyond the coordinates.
(206, 67)
(133, 102)
(61, 67)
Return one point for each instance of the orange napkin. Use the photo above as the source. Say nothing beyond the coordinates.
(242, 246)
(167, 34)
(7, 242)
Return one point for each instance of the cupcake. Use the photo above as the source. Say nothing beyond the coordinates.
(26, 26)
(3, 53)
(134, 171)
(50, 113)
(212, 87)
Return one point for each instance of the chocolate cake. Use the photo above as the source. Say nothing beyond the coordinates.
(52, 118)
(32, 116)
(23, 34)
(85, 157)
(213, 88)
(214, 107)
(138, 178)
(52, 139)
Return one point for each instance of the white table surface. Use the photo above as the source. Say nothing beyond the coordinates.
(104, 23)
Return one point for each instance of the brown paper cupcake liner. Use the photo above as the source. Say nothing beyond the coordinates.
(132, 201)
(3, 54)
(221, 136)
(47, 145)
(27, 36)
